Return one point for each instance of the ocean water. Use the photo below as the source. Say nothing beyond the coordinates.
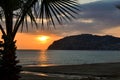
(66, 57)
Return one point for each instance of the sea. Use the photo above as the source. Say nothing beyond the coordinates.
(66, 57)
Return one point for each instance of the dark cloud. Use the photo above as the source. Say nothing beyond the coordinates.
(103, 13)
(94, 18)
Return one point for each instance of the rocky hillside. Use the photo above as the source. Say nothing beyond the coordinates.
(86, 42)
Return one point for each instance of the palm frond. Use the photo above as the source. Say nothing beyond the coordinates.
(2, 30)
(49, 12)
(24, 10)
(57, 10)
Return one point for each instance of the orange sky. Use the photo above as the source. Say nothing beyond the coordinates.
(30, 41)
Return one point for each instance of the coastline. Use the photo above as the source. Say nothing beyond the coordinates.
(98, 71)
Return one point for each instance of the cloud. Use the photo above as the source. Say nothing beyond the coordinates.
(94, 18)
(85, 21)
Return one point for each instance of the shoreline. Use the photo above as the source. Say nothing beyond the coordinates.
(106, 70)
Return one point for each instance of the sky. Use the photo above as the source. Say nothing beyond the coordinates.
(99, 17)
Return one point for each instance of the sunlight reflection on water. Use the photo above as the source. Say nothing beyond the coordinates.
(43, 59)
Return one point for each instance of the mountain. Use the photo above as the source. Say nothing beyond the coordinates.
(86, 42)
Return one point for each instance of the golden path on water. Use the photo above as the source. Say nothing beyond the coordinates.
(43, 58)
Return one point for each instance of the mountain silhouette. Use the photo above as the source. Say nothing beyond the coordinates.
(86, 42)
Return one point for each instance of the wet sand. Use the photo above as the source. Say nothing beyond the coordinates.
(100, 71)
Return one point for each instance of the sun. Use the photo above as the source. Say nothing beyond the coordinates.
(43, 38)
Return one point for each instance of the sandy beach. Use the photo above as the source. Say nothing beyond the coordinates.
(100, 71)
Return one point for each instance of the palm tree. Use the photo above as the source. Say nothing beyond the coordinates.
(14, 14)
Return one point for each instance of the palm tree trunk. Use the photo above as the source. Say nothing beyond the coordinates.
(8, 68)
